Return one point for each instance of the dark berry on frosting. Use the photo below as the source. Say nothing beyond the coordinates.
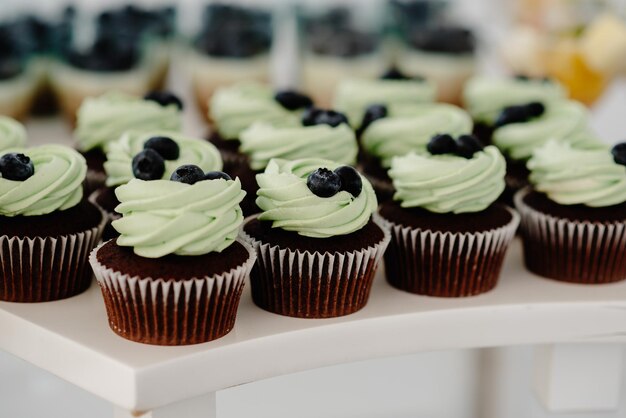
(373, 112)
(324, 183)
(619, 153)
(164, 98)
(441, 144)
(188, 173)
(18, 167)
(309, 115)
(512, 114)
(216, 175)
(148, 165)
(293, 100)
(316, 116)
(467, 145)
(350, 180)
(535, 109)
(166, 147)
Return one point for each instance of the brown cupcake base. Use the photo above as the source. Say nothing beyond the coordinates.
(447, 255)
(299, 277)
(176, 300)
(106, 200)
(575, 243)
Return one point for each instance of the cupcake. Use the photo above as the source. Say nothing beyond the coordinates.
(448, 237)
(47, 229)
(574, 215)
(397, 130)
(150, 156)
(176, 273)
(104, 119)
(354, 96)
(317, 243)
(12, 133)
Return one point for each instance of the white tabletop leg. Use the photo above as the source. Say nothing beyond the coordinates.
(579, 377)
(200, 407)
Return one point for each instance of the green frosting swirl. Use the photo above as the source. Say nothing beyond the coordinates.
(12, 133)
(104, 119)
(162, 217)
(287, 201)
(235, 108)
(353, 96)
(447, 183)
(563, 120)
(410, 129)
(571, 176)
(485, 97)
(192, 151)
(262, 142)
(56, 185)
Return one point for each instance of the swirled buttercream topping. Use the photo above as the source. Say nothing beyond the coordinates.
(262, 142)
(162, 217)
(104, 119)
(447, 183)
(286, 200)
(192, 151)
(12, 133)
(57, 183)
(571, 176)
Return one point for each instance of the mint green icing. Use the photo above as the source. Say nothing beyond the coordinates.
(192, 151)
(101, 120)
(162, 217)
(564, 120)
(286, 200)
(236, 107)
(57, 183)
(410, 129)
(571, 176)
(353, 96)
(262, 142)
(12, 133)
(447, 183)
(485, 97)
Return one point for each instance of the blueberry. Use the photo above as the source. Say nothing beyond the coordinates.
(189, 174)
(535, 109)
(467, 145)
(166, 147)
(16, 167)
(215, 175)
(293, 100)
(309, 116)
(441, 144)
(148, 165)
(512, 114)
(164, 98)
(619, 153)
(373, 113)
(316, 116)
(350, 180)
(324, 183)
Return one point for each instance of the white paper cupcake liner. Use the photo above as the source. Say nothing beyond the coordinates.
(447, 264)
(570, 250)
(172, 312)
(313, 285)
(44, 269)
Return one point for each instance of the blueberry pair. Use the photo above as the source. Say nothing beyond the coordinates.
(316, 116)
(191, 174)
(149, 164)
(465, 146)
(518, 114)
(325, 183)
(17, 167)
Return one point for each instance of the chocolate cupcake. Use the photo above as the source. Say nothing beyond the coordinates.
(47, 229)
(104, 119)
(448, 238)
(175, 274)
(318, 246)
(574, 215)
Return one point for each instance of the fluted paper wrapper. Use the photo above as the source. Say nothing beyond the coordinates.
(170, 312)
(313, 285)
(572, 251)
(44, 269)
(447, 264)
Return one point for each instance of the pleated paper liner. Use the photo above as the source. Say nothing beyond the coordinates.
(313, 285)
(570, 250)
(44, 269)
(447, 264)
(172, 312)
